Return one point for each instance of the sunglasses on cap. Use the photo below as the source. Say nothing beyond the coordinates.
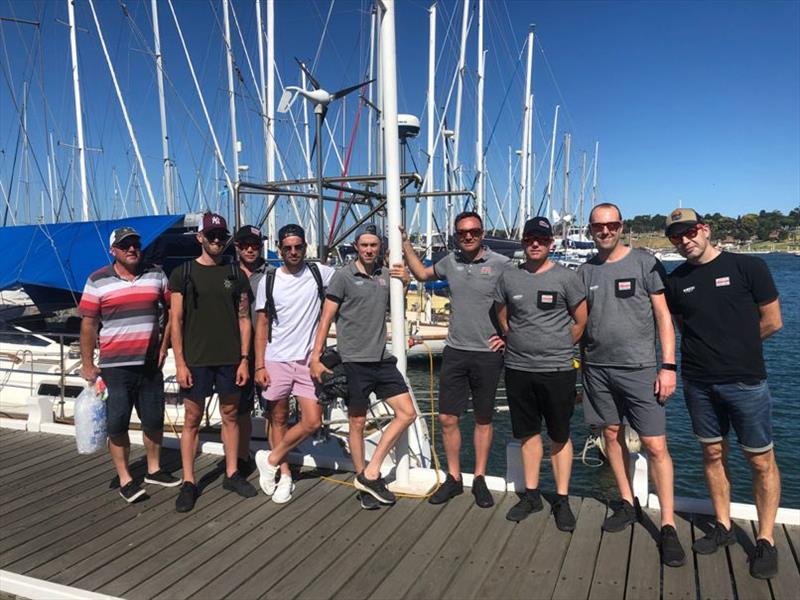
(539, 239)
(463, 233)
(612, 226)
(690, 233)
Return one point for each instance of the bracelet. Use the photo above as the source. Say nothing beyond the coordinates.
(260, 368)
(669, 366)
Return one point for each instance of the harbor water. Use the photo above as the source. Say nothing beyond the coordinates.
(782, 354)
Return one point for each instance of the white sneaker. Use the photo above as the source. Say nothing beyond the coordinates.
(284, 489)
(266, 472)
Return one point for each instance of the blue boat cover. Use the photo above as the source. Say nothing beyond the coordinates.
(63, 255)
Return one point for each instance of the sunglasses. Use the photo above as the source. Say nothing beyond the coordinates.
(612, 226)
(296, 248)
(541, 241)
(690, 233)
(125, 245)
(250, 245)
(463, 233)
(217, 237)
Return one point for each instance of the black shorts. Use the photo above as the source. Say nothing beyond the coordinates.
(532, 396)
(381, 377)
(464, 372)
(207, 380)
(140, 386)
(247, 401)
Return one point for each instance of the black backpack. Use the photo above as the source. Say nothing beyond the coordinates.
(269, 287)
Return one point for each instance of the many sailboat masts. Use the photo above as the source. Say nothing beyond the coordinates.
(552, 164)
(462, 55)
(122, 106)
(76, 88)
(527, 117)
(431, 126)
(169, 198)
(220, 159)
(479, 183)
(594, 175)
(226, 21)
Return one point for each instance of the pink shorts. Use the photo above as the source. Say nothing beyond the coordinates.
(287, 379)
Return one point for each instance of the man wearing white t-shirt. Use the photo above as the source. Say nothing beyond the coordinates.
(287, 321)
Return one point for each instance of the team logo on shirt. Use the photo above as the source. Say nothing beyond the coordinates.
(228, 284)
(688, 290)
(486, 270)
(358, 282)
(547, 298)
(623, 285)
(722, 281)
(593, 287)
(517, 297)
(459, 268)
(381, 282)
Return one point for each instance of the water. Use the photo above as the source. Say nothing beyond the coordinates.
(782, 355)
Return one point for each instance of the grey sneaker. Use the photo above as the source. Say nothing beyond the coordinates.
(714, 539)
(376, 487)
(368, 502)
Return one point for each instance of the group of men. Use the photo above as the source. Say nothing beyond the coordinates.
(245, 331)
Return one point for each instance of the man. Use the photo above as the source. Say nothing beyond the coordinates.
(542, 312)
(470, 363)
(357, 298)
(211, 342)
(249, 248)
(286, 323)
(625, 295)
(125, 298)
(725, 305)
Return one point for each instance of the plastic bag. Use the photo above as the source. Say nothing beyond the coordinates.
(90, 419)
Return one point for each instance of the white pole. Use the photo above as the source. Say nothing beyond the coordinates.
(169, 198)
(373, 19)
(132, 135)
(231, 109)
(581, 197)
(50, 177)
(479, 185)
(594, 176)
(526, 118)
(268, 100)
(431, 148)
(552, 159)
(312, 203)
(461, 66)
(529, 161)
(76, 88)
(565, 207)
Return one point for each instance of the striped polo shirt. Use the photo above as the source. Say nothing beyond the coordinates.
(128, 312)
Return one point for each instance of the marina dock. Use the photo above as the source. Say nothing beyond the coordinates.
(63, 523)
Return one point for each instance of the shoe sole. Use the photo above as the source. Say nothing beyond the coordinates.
(133, 498)
(674, 563)
(162, 484)
(764, 575)
(263, 480)
(184, 510)
(280, 500)
(362, 488)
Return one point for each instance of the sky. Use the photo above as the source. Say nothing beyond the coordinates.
(696, 103)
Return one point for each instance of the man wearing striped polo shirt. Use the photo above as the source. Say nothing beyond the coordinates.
(125, 297)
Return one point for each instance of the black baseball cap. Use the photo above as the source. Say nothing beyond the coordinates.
(370, 228)
(213, 222)
(290, 230)
(248, 232)
(537, 226)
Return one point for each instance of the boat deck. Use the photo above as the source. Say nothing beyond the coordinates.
(61, 521)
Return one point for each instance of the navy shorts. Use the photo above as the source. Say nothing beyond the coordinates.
(140, 386)
(536, 396)
(713, 408)
(466, 372)
(381, 377)
(207, 380)
(247, 401)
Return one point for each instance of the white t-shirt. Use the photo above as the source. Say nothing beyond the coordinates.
(297, 306)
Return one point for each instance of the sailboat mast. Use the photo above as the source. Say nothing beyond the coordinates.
(232, 111)
(529, 161)
(552, 163)
(76, 88)
(479, 184)
(169, 198)
(268, 100)
(461, 62)
(429, 178)
(594, 175)
(565, 206)
(583, 191)
(523, 163)
(373, 18)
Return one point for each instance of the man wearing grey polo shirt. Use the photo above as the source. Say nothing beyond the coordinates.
(470, 362)
(625, 294)
(357, 298)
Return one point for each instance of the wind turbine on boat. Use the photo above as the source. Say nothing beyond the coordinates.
(320, 98)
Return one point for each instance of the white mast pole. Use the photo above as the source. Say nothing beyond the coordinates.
(312, 202)
(373, 19)
(461, 66)
(552, 162)
(232, 109)
(479, 184)
(526, 118)
(530, 161)
(76, 88)
(268, 100)
(565, 207)
(583, 191)
(594, 175)
(169, 198)
(132, 135)
(431, 148)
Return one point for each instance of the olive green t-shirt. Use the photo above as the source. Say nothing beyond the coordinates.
(211, 312)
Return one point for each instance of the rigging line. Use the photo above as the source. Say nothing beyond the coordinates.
(555, 82)
(11, 182)
(324, 31)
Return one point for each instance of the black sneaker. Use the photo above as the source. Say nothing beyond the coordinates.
(623, 517)
(368, 502)
(529, 503)
(131, 491)
(376, 488)
(246, 466)
(161, 477)
(764, 564)
(565, 520)
(714, 539)
(483, 497)
(450, 488)
(240, 485)
(186, 497)
(672, 553)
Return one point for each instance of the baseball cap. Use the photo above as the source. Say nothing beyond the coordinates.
(290, 230)
(681, 219)
(213, 222)
(537, 226)
(248, 232)
(120, 234)
(370, 228)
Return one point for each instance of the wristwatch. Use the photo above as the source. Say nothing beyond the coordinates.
(669, 366)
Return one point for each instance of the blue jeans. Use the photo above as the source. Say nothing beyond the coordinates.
(715, 407)
(140, 386)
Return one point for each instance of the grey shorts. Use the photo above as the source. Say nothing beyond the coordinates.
(617, 394)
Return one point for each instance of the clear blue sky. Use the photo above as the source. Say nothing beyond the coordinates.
(691, 101)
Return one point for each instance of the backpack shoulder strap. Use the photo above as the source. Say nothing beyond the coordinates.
(314, 268)
(269, 287)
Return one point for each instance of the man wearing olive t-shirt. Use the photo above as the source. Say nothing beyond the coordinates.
(725, 305)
